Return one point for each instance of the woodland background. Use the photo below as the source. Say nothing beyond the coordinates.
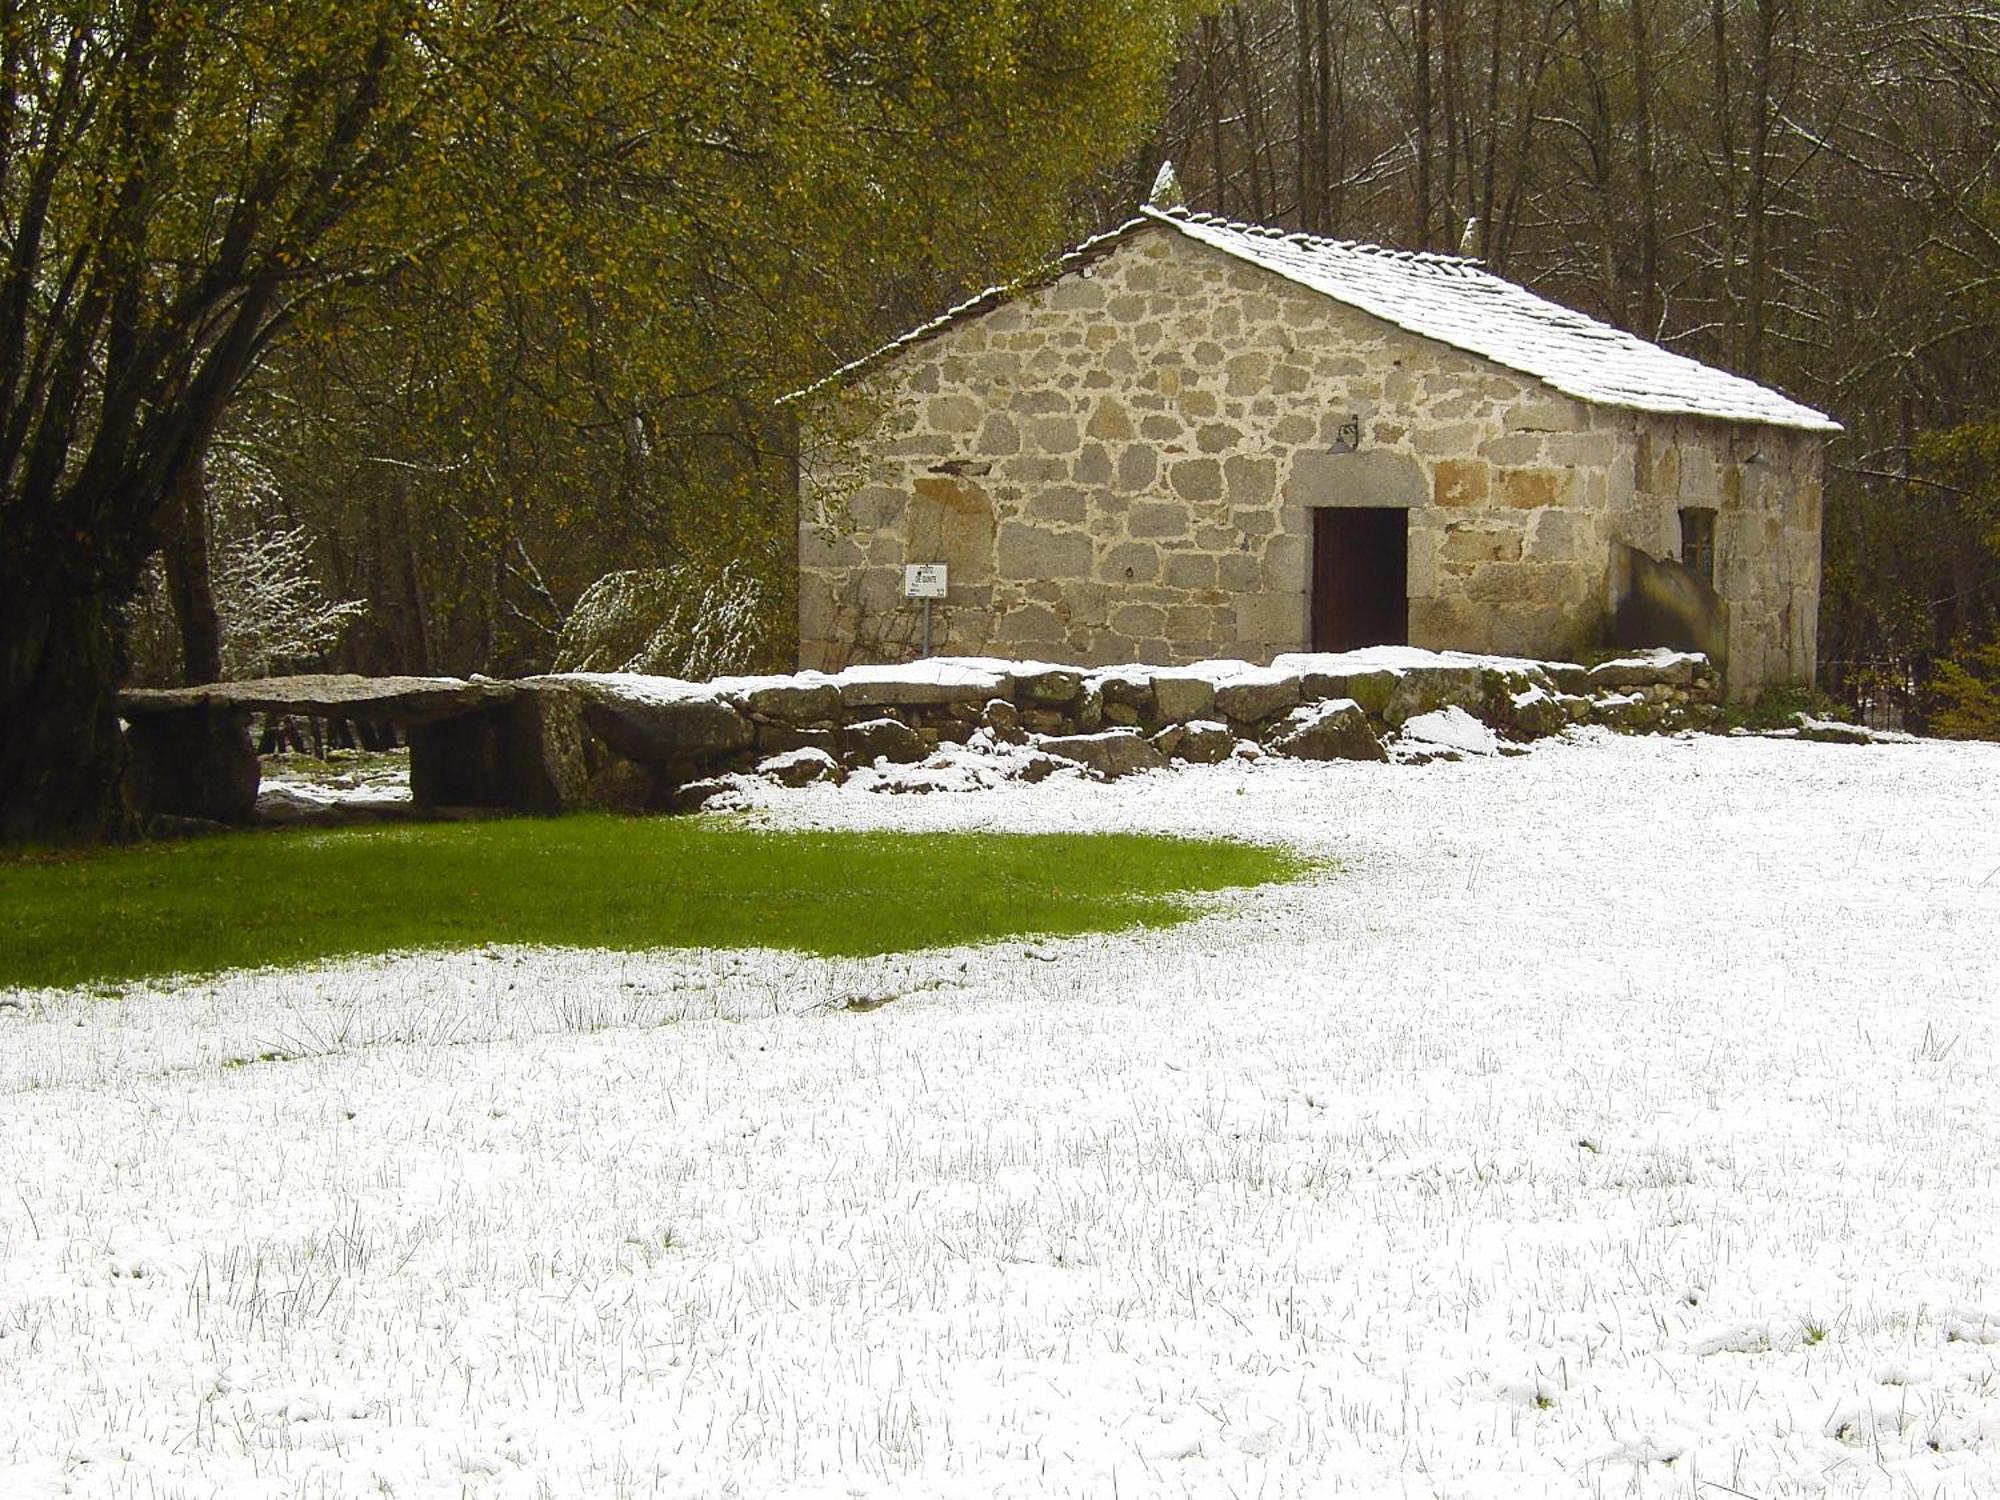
(1804, 193)
(370, 335)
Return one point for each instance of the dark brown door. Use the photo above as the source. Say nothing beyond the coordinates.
(1361, 593)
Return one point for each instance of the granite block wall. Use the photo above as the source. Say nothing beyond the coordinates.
(1122, 466)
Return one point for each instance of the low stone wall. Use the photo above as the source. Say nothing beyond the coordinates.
(649, 743)
(635, 743)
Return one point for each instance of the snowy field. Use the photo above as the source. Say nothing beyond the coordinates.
(1620, 1119)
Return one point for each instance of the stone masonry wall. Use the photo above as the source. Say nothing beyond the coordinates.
(1121, 466)
(1764, 484)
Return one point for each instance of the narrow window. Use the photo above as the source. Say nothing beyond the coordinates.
(1698, 543)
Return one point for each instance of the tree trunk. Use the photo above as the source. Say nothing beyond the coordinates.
(1758, 196)
(1725, 179)
(1489, 147)
(1302, 120)
(1252, 85)
(1599, 134)
(1421, 218)
(184, 552)
(1211, 68)
(1449, 230)
(1650, 294)
(1322, 219)
(61, 755)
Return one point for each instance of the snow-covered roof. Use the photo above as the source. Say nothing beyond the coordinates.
(1454, 301)
(1461, 303)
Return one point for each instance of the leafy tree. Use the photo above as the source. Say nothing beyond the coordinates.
(178, 182)
(535, 244)
(596, 390)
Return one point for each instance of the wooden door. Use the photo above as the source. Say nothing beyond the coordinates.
(1361, 594)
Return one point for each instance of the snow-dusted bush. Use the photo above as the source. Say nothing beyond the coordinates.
(676, 622)
(276, 613)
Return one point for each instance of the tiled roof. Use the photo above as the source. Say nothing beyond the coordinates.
(1442, 297)
(1459, 302)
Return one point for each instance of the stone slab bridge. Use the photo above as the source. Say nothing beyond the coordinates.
(631, 743)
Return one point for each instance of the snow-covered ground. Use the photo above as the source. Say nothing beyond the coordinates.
(347, 789)
(1620, 1119)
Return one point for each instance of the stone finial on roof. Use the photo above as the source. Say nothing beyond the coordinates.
(1167, 191)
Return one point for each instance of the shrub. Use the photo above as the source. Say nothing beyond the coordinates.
(676, 622)
(1964, 695)
(1781, 708)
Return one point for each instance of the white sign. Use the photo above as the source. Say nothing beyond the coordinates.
(924, 581)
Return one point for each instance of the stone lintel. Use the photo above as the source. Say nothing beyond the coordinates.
(335, 695)
(1374, 477)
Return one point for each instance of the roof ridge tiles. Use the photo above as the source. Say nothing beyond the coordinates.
(1308, 239)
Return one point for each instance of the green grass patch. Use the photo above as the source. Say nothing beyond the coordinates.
(359, 763)
(243, 900)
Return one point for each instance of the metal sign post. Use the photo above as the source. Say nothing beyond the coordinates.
(925, 581)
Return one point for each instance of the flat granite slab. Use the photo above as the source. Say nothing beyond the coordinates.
(341, 695)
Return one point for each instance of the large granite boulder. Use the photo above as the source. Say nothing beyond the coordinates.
(669, 733)
(1111, 753)
(1002, 722)
(548, 759)
(881, 739)
(1087, 715)
(1449, 732)
(806, 699)
(1181, 696)
(923, 684)
(1256, 694)
(1372, 688)
(1334, 730)
(658, 721)
(801, 767)
(1129, 688)
(1528, 712)
(197, 763)
(1418, 690)
(1629, 713)
(1200, 742)
(1038, 686)
(1641, 669)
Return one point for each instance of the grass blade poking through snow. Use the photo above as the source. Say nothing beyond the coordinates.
(598, 882)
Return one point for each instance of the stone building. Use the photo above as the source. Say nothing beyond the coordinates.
(1194, 438)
